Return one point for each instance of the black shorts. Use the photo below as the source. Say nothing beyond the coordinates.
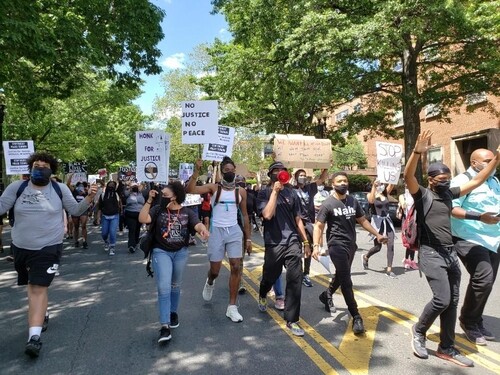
(36, 267)
(206, 213)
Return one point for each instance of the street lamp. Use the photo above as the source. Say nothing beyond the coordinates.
(2, 116)
(321, 117)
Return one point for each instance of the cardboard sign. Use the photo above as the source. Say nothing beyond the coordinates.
(153, 152)
(78, 177)
(192, 200)
(389, 162)
(16, 156)
(199, 122)
(126, 173)
(223, 147)
(299, 151)
(185, 171)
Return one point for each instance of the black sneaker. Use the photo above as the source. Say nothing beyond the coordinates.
(306, 281)
(486, 334)
(131, 249)
(453, 355)
(174, 320)
(77, 244)
(473, 334)
(328, 302)
(33, 346)
(418, 344)
(164, 334)
(364, 261)
(45, 324)
(242, 289)
(357, 325)
(85, 245)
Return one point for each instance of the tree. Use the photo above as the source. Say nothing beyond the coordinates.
(350, 156)
(396, 54)
(46, 47)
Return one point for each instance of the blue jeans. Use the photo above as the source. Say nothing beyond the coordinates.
(278, 287)
(109, 225)
(168, 267)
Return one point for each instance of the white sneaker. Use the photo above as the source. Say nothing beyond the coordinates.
(208, 290)
(111, 251)
(233, 314)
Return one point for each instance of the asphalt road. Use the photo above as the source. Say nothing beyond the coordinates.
(104, 321)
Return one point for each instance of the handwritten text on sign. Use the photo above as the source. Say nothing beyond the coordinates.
(199, 122)
(389, 162)
(300, 151)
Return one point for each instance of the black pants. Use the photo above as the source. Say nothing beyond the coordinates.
(442, 269)
(482, 266)
(275, 258)
(342, 259)
(134, 227)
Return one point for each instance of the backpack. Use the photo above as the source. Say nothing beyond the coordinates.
(409, 230)
(241, 220)
(55, 185)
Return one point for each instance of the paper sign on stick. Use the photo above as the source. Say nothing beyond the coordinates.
(199, 122)
(389, 162)
(223, 147)
(153, 151)
(185, 171)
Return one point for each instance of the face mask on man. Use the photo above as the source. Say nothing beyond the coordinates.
(229, 176)
(341, 189)
(40, 176)
(441, 186)
(302, 180)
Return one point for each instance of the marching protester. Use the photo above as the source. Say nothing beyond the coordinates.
(172, 224)
(134, 201)
(110, 206)
(306, 192)
(80, 192)
(226, 236)
(381, 221)
(438, 258)
(340, 212)
(37, 235)
(284, 234)
(405, 201)
(475, 226)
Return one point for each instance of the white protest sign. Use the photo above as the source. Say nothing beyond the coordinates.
(16, 155)
(153, 151)
(389, 162)
(223, 147)
(78, 177)
(299, 151)
(192, 200)
(92, 178)
(199, 122)
(185, 171)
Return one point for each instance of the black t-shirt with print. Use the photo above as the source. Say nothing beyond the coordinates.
(340, 217)
(282, 228)
(172, 228)
(435, 227)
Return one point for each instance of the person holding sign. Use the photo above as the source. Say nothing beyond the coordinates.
(438, 258)
(228, 201)
(381, 221)
(37, 235)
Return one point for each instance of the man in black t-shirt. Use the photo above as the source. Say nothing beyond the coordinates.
(341, 212)
(438, 258)
(306, 193)
(283, 233)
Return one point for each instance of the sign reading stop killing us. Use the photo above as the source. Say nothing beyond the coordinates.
(200, 120)
(389, 162)
(153, 152)
(223, 147)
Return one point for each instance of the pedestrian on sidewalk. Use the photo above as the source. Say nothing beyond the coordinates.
(171, 230)
(476, 235)
(438, 258)
(37, 235)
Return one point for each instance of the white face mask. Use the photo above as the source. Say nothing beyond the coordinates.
(321, 187)
(380, 189)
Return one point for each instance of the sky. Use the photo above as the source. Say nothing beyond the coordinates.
(187, 23)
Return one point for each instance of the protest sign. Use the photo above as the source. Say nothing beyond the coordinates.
(199, 121)
(299, 151)
(389, 162)
(16, 155)
(92, 178)
(153, 151)
(223, 147)
(185, 171)
(127, 173)
(192, 200)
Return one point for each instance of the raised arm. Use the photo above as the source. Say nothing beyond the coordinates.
(192, 188)
(421, 146)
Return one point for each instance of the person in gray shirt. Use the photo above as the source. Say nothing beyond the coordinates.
(37, 235)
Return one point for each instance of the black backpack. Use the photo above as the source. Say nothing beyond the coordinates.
(55, 185)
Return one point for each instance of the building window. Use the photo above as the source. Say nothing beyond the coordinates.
(432, 110)
(477, 98)
(435, 155)
(398, 119)
(357, 108)
(341, 115)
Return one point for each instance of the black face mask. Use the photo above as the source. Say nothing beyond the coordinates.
(341, 189)
(441, 186)
(40, 176)
(110, 188)
(241, 184)
(229, 176)
(135, 189)
(274, 177)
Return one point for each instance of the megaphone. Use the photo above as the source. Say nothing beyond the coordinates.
(283, 177)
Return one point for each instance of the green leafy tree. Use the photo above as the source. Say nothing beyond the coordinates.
(350, 156)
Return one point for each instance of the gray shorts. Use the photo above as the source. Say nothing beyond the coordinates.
(224, 240)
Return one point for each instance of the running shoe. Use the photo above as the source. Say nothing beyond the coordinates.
(174, 320)
(364, 261)
(165, 334)
(262, 304)
(233, 314)
(279, 303)
(453, 355)
(473, 334)
(418, 344)
(357, 325)
(306, 280)
(208, 290)
(295, 329)
(45, 323)
(33, 346)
